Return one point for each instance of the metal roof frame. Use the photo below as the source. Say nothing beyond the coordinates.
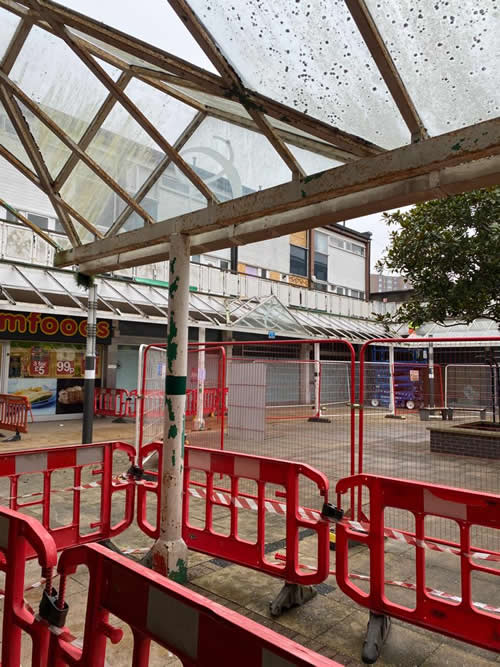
(371, 179)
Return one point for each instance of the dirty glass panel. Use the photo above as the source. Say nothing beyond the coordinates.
(310, 56)
(448, 55)
(9, 23)
(124, 150)
(10, 140)
(53, 151)
(233, 161)
(312, 163)
(153, 21)
(168, 115)
(57, 80)
(91, 197)
(173, 194)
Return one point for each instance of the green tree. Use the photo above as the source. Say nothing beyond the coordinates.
(449, 251)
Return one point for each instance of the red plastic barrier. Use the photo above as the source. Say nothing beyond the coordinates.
(457, 617)
(14, 412)
(212, 402)
(197, 630)
(21, 536)
(24, 469)
(109, 402)
(131, 409)
(240, 468)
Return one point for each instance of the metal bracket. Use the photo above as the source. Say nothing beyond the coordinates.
(377, 632)
(291, 595)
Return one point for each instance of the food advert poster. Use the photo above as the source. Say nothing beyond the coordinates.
(42, 393)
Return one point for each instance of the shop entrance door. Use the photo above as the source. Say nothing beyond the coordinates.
(127, 366)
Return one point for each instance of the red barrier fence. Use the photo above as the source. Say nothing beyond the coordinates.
(20, 537)
(474, 514)
(110, 402)
(225, 485)
(198, 631)
(30, 479)
(14, 412)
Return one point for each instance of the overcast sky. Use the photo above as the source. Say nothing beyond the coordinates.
(155, 22)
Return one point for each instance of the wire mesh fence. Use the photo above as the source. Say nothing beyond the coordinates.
(431, 414)
(293, 401)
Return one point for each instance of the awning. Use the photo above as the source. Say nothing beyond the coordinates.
(25, 287)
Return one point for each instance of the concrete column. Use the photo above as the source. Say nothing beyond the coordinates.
(90, 364)
(170, 552)
(199, 421)
(317, 380)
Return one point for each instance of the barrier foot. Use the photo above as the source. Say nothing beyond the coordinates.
(376, 634)
(13, 438)
(291, 595)
(320, 420)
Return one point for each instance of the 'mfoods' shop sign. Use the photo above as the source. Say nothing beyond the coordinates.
(57, 328)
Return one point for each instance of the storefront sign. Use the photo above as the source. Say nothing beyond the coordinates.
(37, 326)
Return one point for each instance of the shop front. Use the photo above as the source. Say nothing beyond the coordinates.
(43, 358)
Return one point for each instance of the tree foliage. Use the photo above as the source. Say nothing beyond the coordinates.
(449, 250)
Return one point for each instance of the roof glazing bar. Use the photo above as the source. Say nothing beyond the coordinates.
(124, 298)
(66, 290)
(33, 287)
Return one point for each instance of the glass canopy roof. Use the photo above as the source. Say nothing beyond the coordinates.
(129, 114)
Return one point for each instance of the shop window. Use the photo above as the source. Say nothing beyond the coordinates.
(298, 260)
(51, 375)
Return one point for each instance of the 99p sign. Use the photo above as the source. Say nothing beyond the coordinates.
(65, 368)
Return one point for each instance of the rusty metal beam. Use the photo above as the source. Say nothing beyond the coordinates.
(156, 174)
(31, 176)
(211, 84)
(26, 221)
(130, 107)
(16, 44)
(446, 164)
(380, 54)
(233, 80)
(72, 145)
(30, 146)
(91, 131)
(420, 188)
(132, 46)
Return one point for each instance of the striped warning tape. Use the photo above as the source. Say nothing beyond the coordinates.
(276, 507)
(408, 585)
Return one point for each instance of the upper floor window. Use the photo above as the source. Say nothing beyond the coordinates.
(298, 260)
(321, 256)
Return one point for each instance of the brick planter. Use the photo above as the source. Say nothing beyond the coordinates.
(465, 440)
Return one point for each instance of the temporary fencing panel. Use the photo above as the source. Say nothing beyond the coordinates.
(294, 400)
(14, 412)
(198, 631)
(207, 380)
(429, 444)
(234, 504)
(20, 538)
(30, 481)
(458, 615)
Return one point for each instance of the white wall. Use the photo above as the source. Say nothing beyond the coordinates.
(20, 193)
(273, 254)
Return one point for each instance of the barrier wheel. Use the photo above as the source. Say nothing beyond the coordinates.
(410, 405)
(374, 402)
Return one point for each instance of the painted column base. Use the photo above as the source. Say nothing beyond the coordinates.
(198, 424)
(169, 559)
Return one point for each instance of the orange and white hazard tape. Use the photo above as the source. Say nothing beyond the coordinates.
(277, 507)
